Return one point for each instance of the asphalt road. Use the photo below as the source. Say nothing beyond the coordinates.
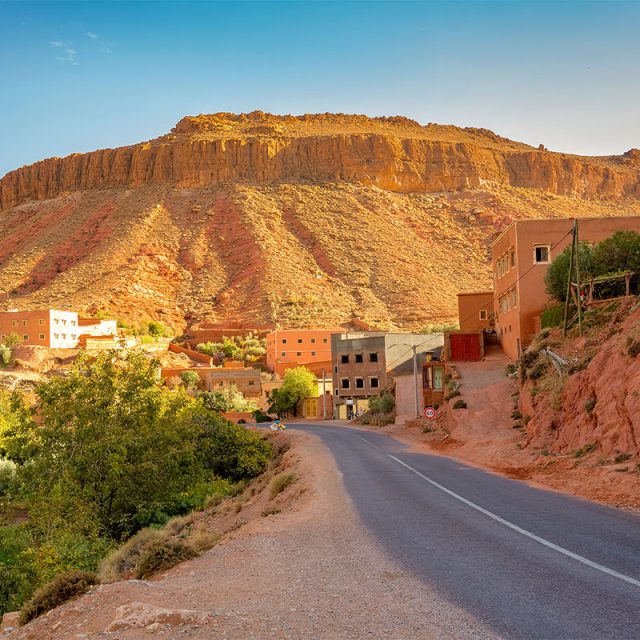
(529, 563)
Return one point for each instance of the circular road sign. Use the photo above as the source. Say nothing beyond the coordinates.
(429, 412)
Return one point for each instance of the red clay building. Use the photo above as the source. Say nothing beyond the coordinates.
(475, 311)
(311, 348)
(521, 257)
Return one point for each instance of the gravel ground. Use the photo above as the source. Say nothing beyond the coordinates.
(311, 571)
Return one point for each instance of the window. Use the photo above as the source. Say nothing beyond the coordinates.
(335, 369)
(514, 298)
(57, 321)
(298, 353)
(373, 357)
(284, 353)
(313, 353)
(344, 383)
(335, 391)
(56, 335)
(14, 323)
(359, 383)
(512, 255)
(73, 336)
(324, 340)
(64, 336)
(40, 321)
(344, 359)
(73, 323)
(313, 340)
(483, 314)
(42, 336)
(25, 337)
(25, 323)
(299, 340)
(251, 383)
(374, 382)
(359, 358)
(541, 254)
(284, 341)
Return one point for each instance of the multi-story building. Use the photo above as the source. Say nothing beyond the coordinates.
(361, 363)
(53, 328)
(521, 256)
(310, 348)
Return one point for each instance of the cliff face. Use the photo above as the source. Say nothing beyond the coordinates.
(299, 220)
(393, 154)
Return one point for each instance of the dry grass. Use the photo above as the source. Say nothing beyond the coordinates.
(281, 482)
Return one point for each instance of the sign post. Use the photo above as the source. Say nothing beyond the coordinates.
(429, 412)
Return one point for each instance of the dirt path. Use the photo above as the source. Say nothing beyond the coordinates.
(309, 572)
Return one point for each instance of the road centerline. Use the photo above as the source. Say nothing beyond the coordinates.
(516, 528)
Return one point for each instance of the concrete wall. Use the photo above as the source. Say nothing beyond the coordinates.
(405, 398)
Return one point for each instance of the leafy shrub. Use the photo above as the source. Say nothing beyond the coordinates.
(7, 476)
(158, 330)
(552, 317)
(459, 404)
(190, 379)
(5, 355)
(162, 555)
(17, 570)
(384, 403)
(585, 450)
(558, 272)
(217, 401)
(122, 562)
(61, 589)
(516, 415)
(634, 348)
(590, 404)
(299, 383)
(281, 482)
(622, 457)
(261, 417)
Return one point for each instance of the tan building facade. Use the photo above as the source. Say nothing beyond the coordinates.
(47, 328)
(521, 256)
(475, 311)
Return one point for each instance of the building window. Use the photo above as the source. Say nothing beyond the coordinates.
(541, 254)
(284, 341)
(298, 353)
(373, 357)
(325, 340)
(25, 323)
(41, 321)
(335, 391)
(359, 358)
(57, 321)
(251, 383)
(359, 383)
(514, 298)
(335, 369)
(284, 353)
(313, 354)
(25, 337)
(344, 359)
(64, 336)
(42, 336)
(512, 255)
(14, 323)
(56, 335)
(344, 383)
(299, 340)
(483, 314)
(374, 382)
(313, 340)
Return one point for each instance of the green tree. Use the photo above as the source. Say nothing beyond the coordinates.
(217, 401)
(12, 340)
(190, 380)
(5, 355)
(558, 272)
(158, 330)
(299, 383)
(620, 252)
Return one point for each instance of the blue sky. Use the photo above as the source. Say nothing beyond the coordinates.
(78, 76)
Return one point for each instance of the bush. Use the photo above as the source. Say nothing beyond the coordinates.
(281, 482)
(590, 404)
(634, 348)
(258, 416)
(17, 570)
(61, 589)
(158, 330)
(190, 379)
(122, 563)
(162, 555)
(558, 272)
(217, 401)
(552, 317)
(384, 403)
(459, 404)
(5, 355)
(622, 457)
(585, 450)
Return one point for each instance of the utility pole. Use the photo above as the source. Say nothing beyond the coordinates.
(569, 276)
(324, 395)
(579, 284)
(414, 348)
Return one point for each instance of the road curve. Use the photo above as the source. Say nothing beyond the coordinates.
(528, 563)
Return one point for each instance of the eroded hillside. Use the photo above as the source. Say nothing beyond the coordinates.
(299, 220)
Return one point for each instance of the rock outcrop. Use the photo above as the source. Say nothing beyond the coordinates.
(394, 154)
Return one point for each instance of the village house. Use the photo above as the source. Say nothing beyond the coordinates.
(361, 363)
(475, 311)
(521, 256)
(310, 348)
(53, 328)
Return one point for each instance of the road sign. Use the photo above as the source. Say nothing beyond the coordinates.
(429, 412)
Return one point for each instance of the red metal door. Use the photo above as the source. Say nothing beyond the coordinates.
(465, 346)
